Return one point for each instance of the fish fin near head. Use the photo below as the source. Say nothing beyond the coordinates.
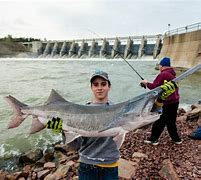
(54, 97)
(16, 105)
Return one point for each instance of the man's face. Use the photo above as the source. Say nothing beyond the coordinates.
(160, 67)
(100, 87)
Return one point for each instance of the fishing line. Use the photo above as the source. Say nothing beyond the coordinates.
(119, 55)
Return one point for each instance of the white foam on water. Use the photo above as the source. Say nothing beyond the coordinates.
(2, 149)
(78, 59)
(5, 153)
(186, 107)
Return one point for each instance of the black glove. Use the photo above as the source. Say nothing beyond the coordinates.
(55, 124)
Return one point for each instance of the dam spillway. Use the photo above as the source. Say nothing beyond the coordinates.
(132, 47)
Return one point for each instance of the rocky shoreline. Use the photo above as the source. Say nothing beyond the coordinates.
(138, 160)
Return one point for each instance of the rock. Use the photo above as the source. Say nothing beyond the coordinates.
(70, 163)
(75, 177)
(61, 157)
(167, 171)
(2, 175)
(63, 148)
(194, 114)
(139, 155)
(49, 165)
(27, 168)
(182, 118)
(10, 177)
(181, 112)
(52, 177)
(60, 173)
(126, 169)
(21, 178)
(194, 106)
(23, 174)
(48, 155)
(70, 153)
(43, 174)
(31, 156)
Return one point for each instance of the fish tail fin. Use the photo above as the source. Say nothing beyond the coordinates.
(18, 117)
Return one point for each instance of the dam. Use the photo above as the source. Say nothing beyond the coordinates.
(182, 45)
(132, 47)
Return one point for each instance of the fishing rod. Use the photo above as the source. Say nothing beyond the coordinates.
(121, 57)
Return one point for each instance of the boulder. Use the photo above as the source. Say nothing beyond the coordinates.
(127, 169)
(194, 114)
(60, 173)
(31, 156)
(2, 175)
(42, 174)
(49, 165)
(167, 171)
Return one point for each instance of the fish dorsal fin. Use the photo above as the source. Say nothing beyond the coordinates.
(55, 96)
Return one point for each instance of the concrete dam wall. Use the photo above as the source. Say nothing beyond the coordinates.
(127, 47)
(184, 49)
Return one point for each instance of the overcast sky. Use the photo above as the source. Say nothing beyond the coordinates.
(75, 19)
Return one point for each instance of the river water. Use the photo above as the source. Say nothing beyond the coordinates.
(31, 81)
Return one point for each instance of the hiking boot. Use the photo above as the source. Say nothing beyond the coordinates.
(148, 141)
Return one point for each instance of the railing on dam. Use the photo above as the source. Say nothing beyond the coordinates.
(129, 47)
(185, 29)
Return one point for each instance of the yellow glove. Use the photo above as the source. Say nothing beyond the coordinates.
(55, 124)
(168, 89)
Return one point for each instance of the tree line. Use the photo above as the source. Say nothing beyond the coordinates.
(9, 38)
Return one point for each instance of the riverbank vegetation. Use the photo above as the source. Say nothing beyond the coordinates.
(9, 38)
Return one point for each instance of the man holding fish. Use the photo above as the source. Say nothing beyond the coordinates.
(98, 155)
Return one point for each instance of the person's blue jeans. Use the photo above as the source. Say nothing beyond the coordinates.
(91, 172)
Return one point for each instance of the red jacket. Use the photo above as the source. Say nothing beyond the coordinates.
(166, 74)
